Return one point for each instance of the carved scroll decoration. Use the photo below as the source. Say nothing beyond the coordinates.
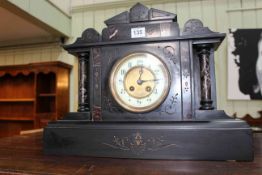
(171, 107)
(138, 144)
(169, 53)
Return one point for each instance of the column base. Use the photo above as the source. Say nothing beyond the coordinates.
(206, 105)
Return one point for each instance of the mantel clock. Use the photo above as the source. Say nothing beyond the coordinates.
(147, 90)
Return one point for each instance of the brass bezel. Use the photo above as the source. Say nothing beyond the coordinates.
(118, 98)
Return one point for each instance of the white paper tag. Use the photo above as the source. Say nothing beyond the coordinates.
(138, 32)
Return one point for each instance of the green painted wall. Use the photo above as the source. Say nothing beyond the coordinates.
(47, 13)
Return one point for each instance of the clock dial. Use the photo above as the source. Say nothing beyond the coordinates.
(136, 85)
(139, 82)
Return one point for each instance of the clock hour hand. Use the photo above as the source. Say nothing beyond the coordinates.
(139, 81)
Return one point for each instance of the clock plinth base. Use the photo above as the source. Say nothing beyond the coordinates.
(219, 139)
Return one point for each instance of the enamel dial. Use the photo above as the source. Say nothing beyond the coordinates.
(139, 82)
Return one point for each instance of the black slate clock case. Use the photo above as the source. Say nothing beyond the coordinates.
(186, 125)
(110, 110)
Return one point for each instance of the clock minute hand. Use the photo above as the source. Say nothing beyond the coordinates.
(143, 81)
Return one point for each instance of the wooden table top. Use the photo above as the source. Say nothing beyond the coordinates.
(23, 155)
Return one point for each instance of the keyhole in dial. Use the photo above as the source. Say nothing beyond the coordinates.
(148, 89)
(131, 88)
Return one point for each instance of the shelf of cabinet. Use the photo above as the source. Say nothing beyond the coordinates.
(16, 118)
(47, 95)
(17, 99)
(45, 114)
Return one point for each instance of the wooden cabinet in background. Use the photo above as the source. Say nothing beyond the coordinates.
(31, 95)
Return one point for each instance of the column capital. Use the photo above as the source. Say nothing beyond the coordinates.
(83, 56)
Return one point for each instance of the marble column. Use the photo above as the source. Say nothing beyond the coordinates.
(83, 82)
(206, 101)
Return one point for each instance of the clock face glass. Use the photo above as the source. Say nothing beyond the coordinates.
(139, 82)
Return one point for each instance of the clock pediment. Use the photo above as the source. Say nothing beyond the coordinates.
(121, 18)
(142, 24)
(140, 13)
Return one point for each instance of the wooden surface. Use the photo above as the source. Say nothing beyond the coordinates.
(23, 155)
(31, 95)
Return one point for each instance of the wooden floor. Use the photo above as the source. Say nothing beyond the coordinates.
(23, 155)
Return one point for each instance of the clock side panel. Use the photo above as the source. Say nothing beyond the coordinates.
(95, 76)
(104, 105)
(187, 85)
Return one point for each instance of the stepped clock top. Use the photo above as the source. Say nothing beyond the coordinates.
(142, 24)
